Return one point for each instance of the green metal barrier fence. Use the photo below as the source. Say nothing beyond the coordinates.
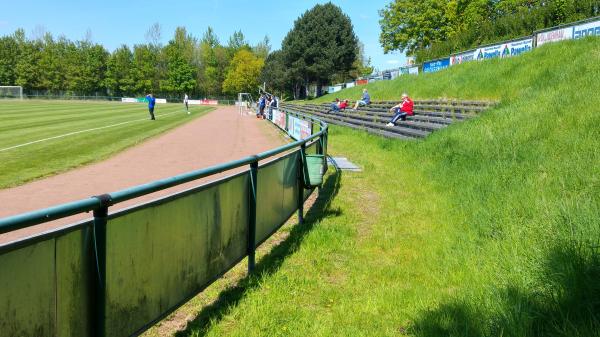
(119, 273)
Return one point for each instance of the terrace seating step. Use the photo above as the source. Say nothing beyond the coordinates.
(400, 129)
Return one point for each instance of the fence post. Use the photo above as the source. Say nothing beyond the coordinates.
(99, 282)
(301, 184)
(251, 248)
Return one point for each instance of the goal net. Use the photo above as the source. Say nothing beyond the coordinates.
(7, 91)
(245, 103)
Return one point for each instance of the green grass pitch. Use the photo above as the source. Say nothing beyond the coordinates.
(42, 138)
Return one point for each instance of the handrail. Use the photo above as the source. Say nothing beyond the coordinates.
(40, 216)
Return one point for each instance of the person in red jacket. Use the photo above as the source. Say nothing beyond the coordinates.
(402, 109)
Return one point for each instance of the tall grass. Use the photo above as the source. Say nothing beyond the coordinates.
(489, 227)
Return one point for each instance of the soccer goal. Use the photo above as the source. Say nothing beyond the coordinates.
(244, 103)
(7, 91)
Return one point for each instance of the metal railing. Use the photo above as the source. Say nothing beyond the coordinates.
(119, 273)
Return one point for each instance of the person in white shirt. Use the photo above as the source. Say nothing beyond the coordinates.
(185, 101)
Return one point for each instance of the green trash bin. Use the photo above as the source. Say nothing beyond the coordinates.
(316, 169)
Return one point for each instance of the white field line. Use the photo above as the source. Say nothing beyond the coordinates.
(81, 131)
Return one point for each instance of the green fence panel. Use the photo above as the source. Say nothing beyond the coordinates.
(269, 199)
(27, 291)
(163, 253)
(74, 274)
(290, 184)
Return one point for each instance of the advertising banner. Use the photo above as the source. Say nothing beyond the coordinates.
(554, 35)
(519, 47)
(462, 57)
(433, 66)
(202, 102)
(586, 29)
(504, 50)
(361, 82)
(395, 73)
(278, 118)
(413, 70)
(334, 88)
(299, 128)
(141, 100)
(489, 52)
(349, 84)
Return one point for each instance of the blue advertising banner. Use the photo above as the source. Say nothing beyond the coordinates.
(586, 29)
(437, 65)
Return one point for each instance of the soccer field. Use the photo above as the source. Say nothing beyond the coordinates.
(41, 138)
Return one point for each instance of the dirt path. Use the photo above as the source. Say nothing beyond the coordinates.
(218, 137)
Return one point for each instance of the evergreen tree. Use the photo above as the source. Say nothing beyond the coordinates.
(321, 44)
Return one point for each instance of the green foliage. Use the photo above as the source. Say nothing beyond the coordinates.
(321, 44)
(244, 73)
(275, 73)
(435, 28)
(183, 65)
(9, 55)
(263, 48)
(119, 71)
(179, 53)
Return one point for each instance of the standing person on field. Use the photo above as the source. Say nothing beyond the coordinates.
(185, 102)
(402, 109)
(151, 101)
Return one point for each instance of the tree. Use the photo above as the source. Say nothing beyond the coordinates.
(214, 62)
(144, 72)
(321, 43)
(9, 55)
(85, 74)
(236, 42)
(275, 73)
(263, 48)
(244, 72)
(181, 75)
(411, 25)
(154, 34)
(434, 28)
(119, 69)
(27, 69)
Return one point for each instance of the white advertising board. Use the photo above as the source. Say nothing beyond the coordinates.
(586, 29)
(554, 35)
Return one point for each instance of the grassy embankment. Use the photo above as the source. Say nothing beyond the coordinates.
(22, 122)
(489, 227)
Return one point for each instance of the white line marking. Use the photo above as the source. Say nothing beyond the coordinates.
(77, 132)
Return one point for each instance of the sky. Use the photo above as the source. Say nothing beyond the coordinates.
(116, 22)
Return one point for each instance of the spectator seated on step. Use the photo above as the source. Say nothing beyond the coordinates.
(338, 105)
(335, 106)
(365, 100)
(343, 105)
(402, 109)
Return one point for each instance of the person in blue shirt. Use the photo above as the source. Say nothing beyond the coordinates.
(261, 107)
(151, 101)
(366, 100)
